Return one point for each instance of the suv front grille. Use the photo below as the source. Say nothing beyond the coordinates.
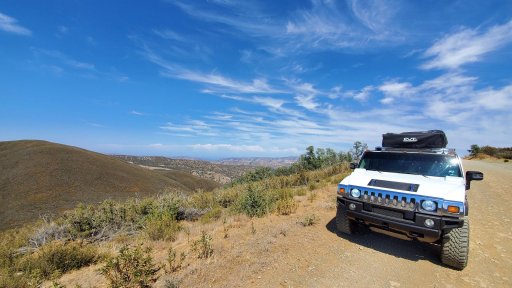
(389, 199)
(400, 201)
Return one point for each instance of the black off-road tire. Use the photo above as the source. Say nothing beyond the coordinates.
(455, 247)
(343, 223)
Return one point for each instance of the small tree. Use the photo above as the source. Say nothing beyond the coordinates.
(310, 160)
(358, 149)
(475, 149)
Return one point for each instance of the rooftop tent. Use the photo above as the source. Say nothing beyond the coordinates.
(415, 140)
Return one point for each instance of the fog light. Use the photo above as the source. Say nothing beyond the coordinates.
(429, 223)
(352, 206)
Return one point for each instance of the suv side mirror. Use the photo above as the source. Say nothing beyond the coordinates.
(473, 175)
(353, 166)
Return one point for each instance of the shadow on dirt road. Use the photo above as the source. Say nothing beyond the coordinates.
(410, 250)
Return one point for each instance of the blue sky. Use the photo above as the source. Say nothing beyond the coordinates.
(226, 78)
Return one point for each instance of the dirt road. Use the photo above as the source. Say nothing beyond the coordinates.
(289, 255)
(276, 251)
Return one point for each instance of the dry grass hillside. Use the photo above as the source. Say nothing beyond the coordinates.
(38, 177)
(217, 172)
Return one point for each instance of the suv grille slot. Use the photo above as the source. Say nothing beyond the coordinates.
(390, 199)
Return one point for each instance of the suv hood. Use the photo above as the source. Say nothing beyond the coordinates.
(447, 188)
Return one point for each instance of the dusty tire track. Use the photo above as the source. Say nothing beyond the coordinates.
(317, 256)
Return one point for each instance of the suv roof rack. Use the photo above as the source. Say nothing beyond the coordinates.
(449, 151)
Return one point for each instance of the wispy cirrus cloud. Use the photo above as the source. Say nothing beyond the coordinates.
(330, 25)
(67, 63)
(325, 25)
(169, 34)
(10, 25)
(216, 82)
(64, 59)
(133, 112)
(190, 128)
(466, 46)
(243, 16)
(361, 95)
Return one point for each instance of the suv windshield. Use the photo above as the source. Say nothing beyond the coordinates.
(412, 163)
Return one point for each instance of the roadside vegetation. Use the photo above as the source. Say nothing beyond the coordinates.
(47, 249)
(477, 152)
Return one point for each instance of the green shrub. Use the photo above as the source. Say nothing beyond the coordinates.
(133, 267)
(489, 150)
(203, 246)
(286, 193)
(227, 196)
(203, 200)
(106, 219)
(286, 206)
(253, 202)
(212, 215)
(56, 258)
(162, 226)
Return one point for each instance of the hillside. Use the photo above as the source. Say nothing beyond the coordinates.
(284, 251)
(207, 170)
(38, 177)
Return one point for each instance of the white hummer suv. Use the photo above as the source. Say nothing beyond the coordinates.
(414, 187)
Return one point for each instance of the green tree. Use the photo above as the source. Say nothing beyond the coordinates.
(309, 161)
(358, 149)
(474, 150)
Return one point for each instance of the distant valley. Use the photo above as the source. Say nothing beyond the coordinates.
(273, 162)
(42, 178)
(218, 172)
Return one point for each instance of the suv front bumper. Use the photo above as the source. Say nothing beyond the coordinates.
(410, 224)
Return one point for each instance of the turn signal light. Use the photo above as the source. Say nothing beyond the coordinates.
(342, 190)
(453, 209)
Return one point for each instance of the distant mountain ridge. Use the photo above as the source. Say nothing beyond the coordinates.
(40, 177)
(273, 162)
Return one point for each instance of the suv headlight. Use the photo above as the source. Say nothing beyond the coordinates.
(355, 193)
(428, 205)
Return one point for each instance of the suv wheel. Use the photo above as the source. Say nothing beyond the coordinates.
(455, 247)
(343, 224)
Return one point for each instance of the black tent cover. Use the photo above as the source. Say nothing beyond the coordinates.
(416, 140)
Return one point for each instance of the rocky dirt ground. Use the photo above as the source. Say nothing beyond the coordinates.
(277, 251)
